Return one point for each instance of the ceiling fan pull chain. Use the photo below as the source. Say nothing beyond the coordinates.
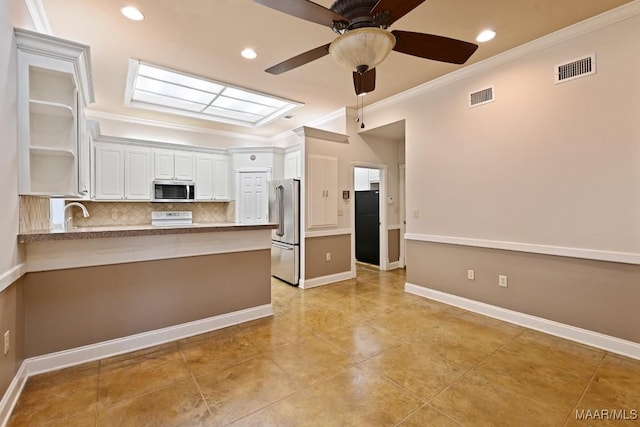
(362, 112)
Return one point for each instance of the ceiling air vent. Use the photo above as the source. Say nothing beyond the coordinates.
(481, 96)
(575, 69)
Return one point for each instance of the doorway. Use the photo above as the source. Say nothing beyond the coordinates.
(367, 215)
(252, 196)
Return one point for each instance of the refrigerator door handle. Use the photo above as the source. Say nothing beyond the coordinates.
(280, 209)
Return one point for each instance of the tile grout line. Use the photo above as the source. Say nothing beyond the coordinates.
(457, 380)
(195, 381)
(587, 387)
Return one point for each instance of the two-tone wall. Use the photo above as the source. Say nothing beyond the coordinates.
(13, 13)
(359, 149)
(541, 185)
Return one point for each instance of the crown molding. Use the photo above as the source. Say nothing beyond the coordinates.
(97, 115)
(605, 19)
(39, 16)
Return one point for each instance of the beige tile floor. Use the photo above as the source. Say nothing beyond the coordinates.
(357, 353)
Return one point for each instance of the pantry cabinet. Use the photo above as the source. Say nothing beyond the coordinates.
(322, 191)
(54, 84)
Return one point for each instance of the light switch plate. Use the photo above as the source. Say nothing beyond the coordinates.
(7, 342)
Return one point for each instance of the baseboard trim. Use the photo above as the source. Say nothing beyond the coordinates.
(325, 280)
(12, 394)
(583, 336)
(101, 350)
(394, 265)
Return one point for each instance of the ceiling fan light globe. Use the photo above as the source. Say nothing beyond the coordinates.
(362, 47)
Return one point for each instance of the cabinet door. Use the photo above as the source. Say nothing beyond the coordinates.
(109, 173)
(163, 164)
(137, 174)
(204, 176)
(292, 165)
(331, 195)
(322, 191)
(183, 166)
(84, 157)
(220, 177)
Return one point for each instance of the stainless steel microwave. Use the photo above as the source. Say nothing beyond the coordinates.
(174, 191)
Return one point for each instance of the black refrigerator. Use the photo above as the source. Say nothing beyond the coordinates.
(368, 226)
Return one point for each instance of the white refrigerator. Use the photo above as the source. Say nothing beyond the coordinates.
(284, 210)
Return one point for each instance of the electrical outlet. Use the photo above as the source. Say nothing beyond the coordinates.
(327, 257)
(471, 275)
(114, 215)
(502, 281)
(7, 342)
(416, 213)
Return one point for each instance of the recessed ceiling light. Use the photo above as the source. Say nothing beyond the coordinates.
(249, 53)
(132, 13)
(485, 36)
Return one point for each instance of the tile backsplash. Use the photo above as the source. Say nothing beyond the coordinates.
(34, 213)
(139, 213)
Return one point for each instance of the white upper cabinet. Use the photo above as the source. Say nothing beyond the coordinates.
(54, 84)
(122, 172)
(292, 165)
(322, 191)
(212, 176)
(173, 165)
(221, 177)
(204, 176)
(137, 173)
(109, 172)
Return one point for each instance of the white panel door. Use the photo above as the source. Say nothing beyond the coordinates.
(253, 201)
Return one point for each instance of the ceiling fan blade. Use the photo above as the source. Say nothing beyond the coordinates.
(305, 9)
(298, 60)
(433, 47)
(364, 83)
(397, 8)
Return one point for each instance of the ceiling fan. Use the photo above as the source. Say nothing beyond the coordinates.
(363, 40)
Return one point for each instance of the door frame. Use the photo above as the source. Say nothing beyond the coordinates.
(382, 209)
(238, 174)
(402, 170)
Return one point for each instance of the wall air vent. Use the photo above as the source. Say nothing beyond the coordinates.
(575, 69)
(481, 96)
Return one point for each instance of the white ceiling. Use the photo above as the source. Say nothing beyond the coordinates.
(205, 37)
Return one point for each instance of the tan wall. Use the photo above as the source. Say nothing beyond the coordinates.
(394, 245)
(594, 295)
(11, 319)
(75, 307)
(316, 249)
(544, 164)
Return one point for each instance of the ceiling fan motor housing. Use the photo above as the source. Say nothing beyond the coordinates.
(358, 12)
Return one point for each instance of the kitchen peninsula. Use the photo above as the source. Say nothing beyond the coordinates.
(96, 291)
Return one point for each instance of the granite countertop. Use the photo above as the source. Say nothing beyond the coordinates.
(75, 233)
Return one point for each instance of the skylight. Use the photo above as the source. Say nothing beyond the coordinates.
(161, 89)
